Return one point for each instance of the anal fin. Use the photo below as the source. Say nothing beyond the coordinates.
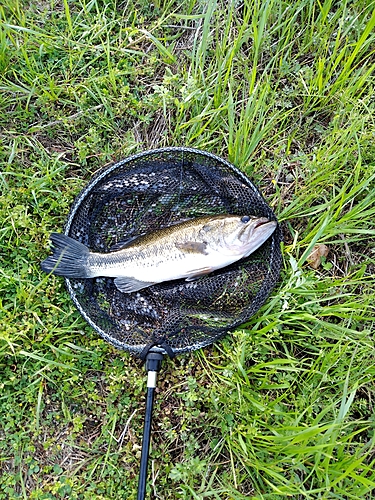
(128, 284)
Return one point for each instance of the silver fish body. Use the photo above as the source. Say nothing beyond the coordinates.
(186, 250)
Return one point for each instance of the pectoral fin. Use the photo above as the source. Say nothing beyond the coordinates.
(129, 285)
(197, 273)
(193, 247)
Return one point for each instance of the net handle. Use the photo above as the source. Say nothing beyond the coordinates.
(153, 365)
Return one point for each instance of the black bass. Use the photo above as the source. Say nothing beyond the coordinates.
(186, 250)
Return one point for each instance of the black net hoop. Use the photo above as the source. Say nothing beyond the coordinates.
(155, 189)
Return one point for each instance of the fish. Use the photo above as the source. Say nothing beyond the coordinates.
(189, 249)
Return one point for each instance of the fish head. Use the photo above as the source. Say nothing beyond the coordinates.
(243, 235)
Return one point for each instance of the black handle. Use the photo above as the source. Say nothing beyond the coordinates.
(145, 444)
(153, 364)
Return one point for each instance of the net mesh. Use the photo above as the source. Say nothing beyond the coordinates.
(153, 190)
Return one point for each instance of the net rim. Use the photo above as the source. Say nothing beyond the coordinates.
(96, 179)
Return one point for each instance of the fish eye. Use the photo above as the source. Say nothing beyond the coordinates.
(245, 219)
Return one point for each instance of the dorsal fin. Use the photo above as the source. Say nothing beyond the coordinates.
(124, 243)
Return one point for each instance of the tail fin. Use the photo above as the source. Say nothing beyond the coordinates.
(69, 257)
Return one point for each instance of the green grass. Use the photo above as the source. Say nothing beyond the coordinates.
(283, 407)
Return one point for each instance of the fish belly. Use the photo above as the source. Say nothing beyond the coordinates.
(161, 268)
(187, 266)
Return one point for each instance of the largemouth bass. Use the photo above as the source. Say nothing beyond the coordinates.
(186, 250)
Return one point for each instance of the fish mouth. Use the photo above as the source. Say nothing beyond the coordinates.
(256, 233)
(258, 227)
(262, 221)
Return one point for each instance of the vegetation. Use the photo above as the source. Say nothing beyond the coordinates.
(283, 407)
